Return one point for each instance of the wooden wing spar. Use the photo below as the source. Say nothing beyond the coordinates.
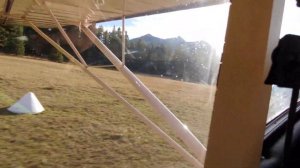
(75, 12)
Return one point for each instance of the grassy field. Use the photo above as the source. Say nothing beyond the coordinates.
(85, 127)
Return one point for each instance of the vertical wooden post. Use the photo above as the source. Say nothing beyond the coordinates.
(123, 34)
(242, 99)
(123, 40)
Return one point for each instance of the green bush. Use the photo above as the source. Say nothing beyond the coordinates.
(11, 39)
(57, 57)
(3, 37)
(10, 45)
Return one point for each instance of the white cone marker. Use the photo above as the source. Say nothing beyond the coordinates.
(28, 104)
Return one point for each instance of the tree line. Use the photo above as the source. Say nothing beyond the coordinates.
(172, 58)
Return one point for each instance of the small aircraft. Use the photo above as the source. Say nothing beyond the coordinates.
(238, 125)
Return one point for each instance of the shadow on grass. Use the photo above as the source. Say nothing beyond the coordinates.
(4, 111)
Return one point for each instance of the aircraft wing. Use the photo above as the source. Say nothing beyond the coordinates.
(76, 12)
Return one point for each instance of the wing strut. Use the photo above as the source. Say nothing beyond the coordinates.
(8, 6)
(123, 40)
(190, 158)
(64, 34)
(177, 126)
(123, 34)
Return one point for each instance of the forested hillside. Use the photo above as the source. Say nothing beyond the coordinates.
(172, 58)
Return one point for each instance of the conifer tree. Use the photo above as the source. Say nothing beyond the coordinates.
(12, 40)
(106, 38)
(20, 45)
(3, 37)
(100, 33)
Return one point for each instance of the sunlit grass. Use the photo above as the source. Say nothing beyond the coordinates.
(85, 127)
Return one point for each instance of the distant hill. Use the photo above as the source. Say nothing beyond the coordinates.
(174, 58)
(151, 40)
(175, 41)
(148, 39)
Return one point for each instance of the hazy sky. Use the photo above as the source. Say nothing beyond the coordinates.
(206, 23)
(291, 18)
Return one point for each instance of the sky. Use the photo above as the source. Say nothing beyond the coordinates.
(206, 23)
(291, 19)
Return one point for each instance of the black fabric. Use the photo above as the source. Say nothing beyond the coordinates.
(285, 69)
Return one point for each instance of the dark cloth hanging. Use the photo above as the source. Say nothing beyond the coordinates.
(285, 69)
(285, 72)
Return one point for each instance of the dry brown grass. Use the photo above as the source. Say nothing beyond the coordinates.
(85, 127)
